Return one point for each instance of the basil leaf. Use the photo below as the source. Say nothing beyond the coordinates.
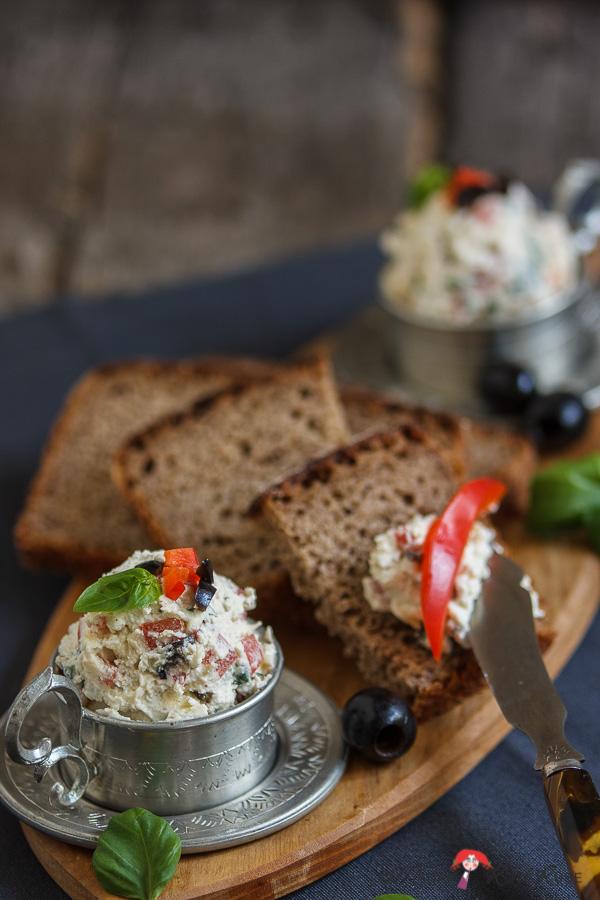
(393, 897)
(137, 855)
(565, 495)
(132, 589)
(562, 503)
(427, 182)
(592, 529)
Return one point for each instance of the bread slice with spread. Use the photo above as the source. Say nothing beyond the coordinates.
(330, 515)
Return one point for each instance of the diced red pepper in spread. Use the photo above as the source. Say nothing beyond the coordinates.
(182, 556)
(443, 550)
(253, 652)
(401, 540)
(179, 570)
(466, 177)
(153, 630)
(175, 579)
(221, 659)
(110, 679)
(220, 664)
(102, 626)
(223, 664)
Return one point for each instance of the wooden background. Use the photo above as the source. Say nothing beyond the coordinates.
(148, 140)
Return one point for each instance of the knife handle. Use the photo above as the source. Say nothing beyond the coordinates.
(574, 806)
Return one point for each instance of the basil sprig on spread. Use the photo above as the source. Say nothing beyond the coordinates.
(137, 855)
(429, 180)
(566, 495)
(119, 592)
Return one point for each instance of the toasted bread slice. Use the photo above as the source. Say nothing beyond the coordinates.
(328, 515)
(74, 518)
(474, 449)
(193, 477)
(495, 451)
(367, 411)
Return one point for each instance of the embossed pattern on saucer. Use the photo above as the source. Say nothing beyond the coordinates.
(311, 760)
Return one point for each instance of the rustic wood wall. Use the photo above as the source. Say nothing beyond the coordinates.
(524, 78)
(148, 140)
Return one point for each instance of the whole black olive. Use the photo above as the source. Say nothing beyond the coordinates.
(379, 724)
(554, 420)
(507, 388)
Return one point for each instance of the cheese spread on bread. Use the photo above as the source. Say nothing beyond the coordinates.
(394, 580)
(171, 659)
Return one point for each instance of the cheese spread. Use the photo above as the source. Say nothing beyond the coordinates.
(394, 580)
(169, 660)
(497, 259)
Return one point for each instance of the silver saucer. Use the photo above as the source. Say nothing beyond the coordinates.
(310, 762)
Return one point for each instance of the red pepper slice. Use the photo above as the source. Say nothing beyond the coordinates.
(443, 550)
(182, 556)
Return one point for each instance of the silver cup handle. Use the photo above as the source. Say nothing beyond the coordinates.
(45, 755)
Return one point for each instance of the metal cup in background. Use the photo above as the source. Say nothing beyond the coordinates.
(443, 362)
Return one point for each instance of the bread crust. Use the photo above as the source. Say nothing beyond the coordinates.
(120, 467)
(54, 551)
(138, 456)
(322, 467)
(516, 466)
(443, 429)
(471, 446)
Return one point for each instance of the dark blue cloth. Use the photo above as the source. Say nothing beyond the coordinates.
(499, 808)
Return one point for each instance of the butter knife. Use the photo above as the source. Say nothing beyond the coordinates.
(503, 638)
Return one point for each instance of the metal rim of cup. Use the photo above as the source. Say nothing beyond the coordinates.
(180, 724)
(561, 303)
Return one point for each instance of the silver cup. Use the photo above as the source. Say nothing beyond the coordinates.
(443, 362)
(170, 768)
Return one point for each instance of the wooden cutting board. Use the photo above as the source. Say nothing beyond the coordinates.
(371, 801)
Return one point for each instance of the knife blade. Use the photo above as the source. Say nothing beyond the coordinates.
(503, 638)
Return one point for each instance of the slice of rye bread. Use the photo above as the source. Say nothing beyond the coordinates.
(328, 515)
(193, 477)
(367, 411)
(74, 518)
(474, 449)
(497, 452)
